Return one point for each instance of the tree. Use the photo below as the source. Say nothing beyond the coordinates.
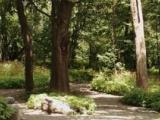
(27, 38)
(61, 15)
(141, 68)
(4, 8)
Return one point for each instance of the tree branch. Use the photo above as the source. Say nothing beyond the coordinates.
(39, 10)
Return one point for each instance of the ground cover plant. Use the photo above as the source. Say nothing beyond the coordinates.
(12, 75)
(62, 103)
(116, 83)
(6, 111)
(138, 97)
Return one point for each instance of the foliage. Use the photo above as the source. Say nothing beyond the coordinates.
(80, 105)
(138, 97)
(101, 33)
(11, 82)
(35, 101)
(135, 97)
(81, 75)
(6, 111)
(118, 83)
(152, 99)
(12, 75)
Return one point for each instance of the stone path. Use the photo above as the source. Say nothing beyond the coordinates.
(109, 107)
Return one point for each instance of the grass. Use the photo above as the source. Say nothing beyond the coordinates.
(12, 75)
(116, 83)
(122, 82)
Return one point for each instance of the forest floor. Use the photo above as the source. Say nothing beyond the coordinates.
(109, 107)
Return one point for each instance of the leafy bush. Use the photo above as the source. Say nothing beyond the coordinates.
(35, 101)
(81, 105)
(11, 69)
(155, 106)
(6, 111)
(136, 97)
(12, 75)
(152, 99)
(119, 83)
(12, 82)
(81, 75)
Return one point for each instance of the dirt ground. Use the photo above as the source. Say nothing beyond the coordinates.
(107, 105)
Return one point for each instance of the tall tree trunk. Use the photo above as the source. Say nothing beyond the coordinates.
(4, 38)
(27, 38)
(158, 45)
(60, 44)
(141, 67)
(93, 56)
(114, 22)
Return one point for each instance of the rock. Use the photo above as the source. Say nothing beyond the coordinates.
(51, 105)
(10, 100)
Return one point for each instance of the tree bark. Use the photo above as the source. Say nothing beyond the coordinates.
(27, 38)
(113, 21)
(61, 15)
(4, 38)
(158, 45)
(93, 56)
(141, 67)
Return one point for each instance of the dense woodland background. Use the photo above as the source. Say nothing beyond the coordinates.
(95, 36)
(52, 46)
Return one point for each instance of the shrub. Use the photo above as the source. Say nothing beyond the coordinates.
(155, 106)
(35, 101)
(81, 75)
(6, 111)
(118, 84)
(81, 105)
(13, 82)
(11, 69)
(135, 97)
(138, 97)
(12, 75)
(152, 99)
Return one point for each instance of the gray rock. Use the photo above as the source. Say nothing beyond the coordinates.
(52, 105)
(10, 100)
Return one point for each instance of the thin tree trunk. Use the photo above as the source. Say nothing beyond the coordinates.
(114, 22)
(158, 46)
(4, 38)
(60, 44)
(27, 38)
(141, 72)
(93, 56)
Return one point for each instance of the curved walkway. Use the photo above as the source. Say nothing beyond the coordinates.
(109, 107)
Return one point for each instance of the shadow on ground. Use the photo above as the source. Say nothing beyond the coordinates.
(109, 107)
